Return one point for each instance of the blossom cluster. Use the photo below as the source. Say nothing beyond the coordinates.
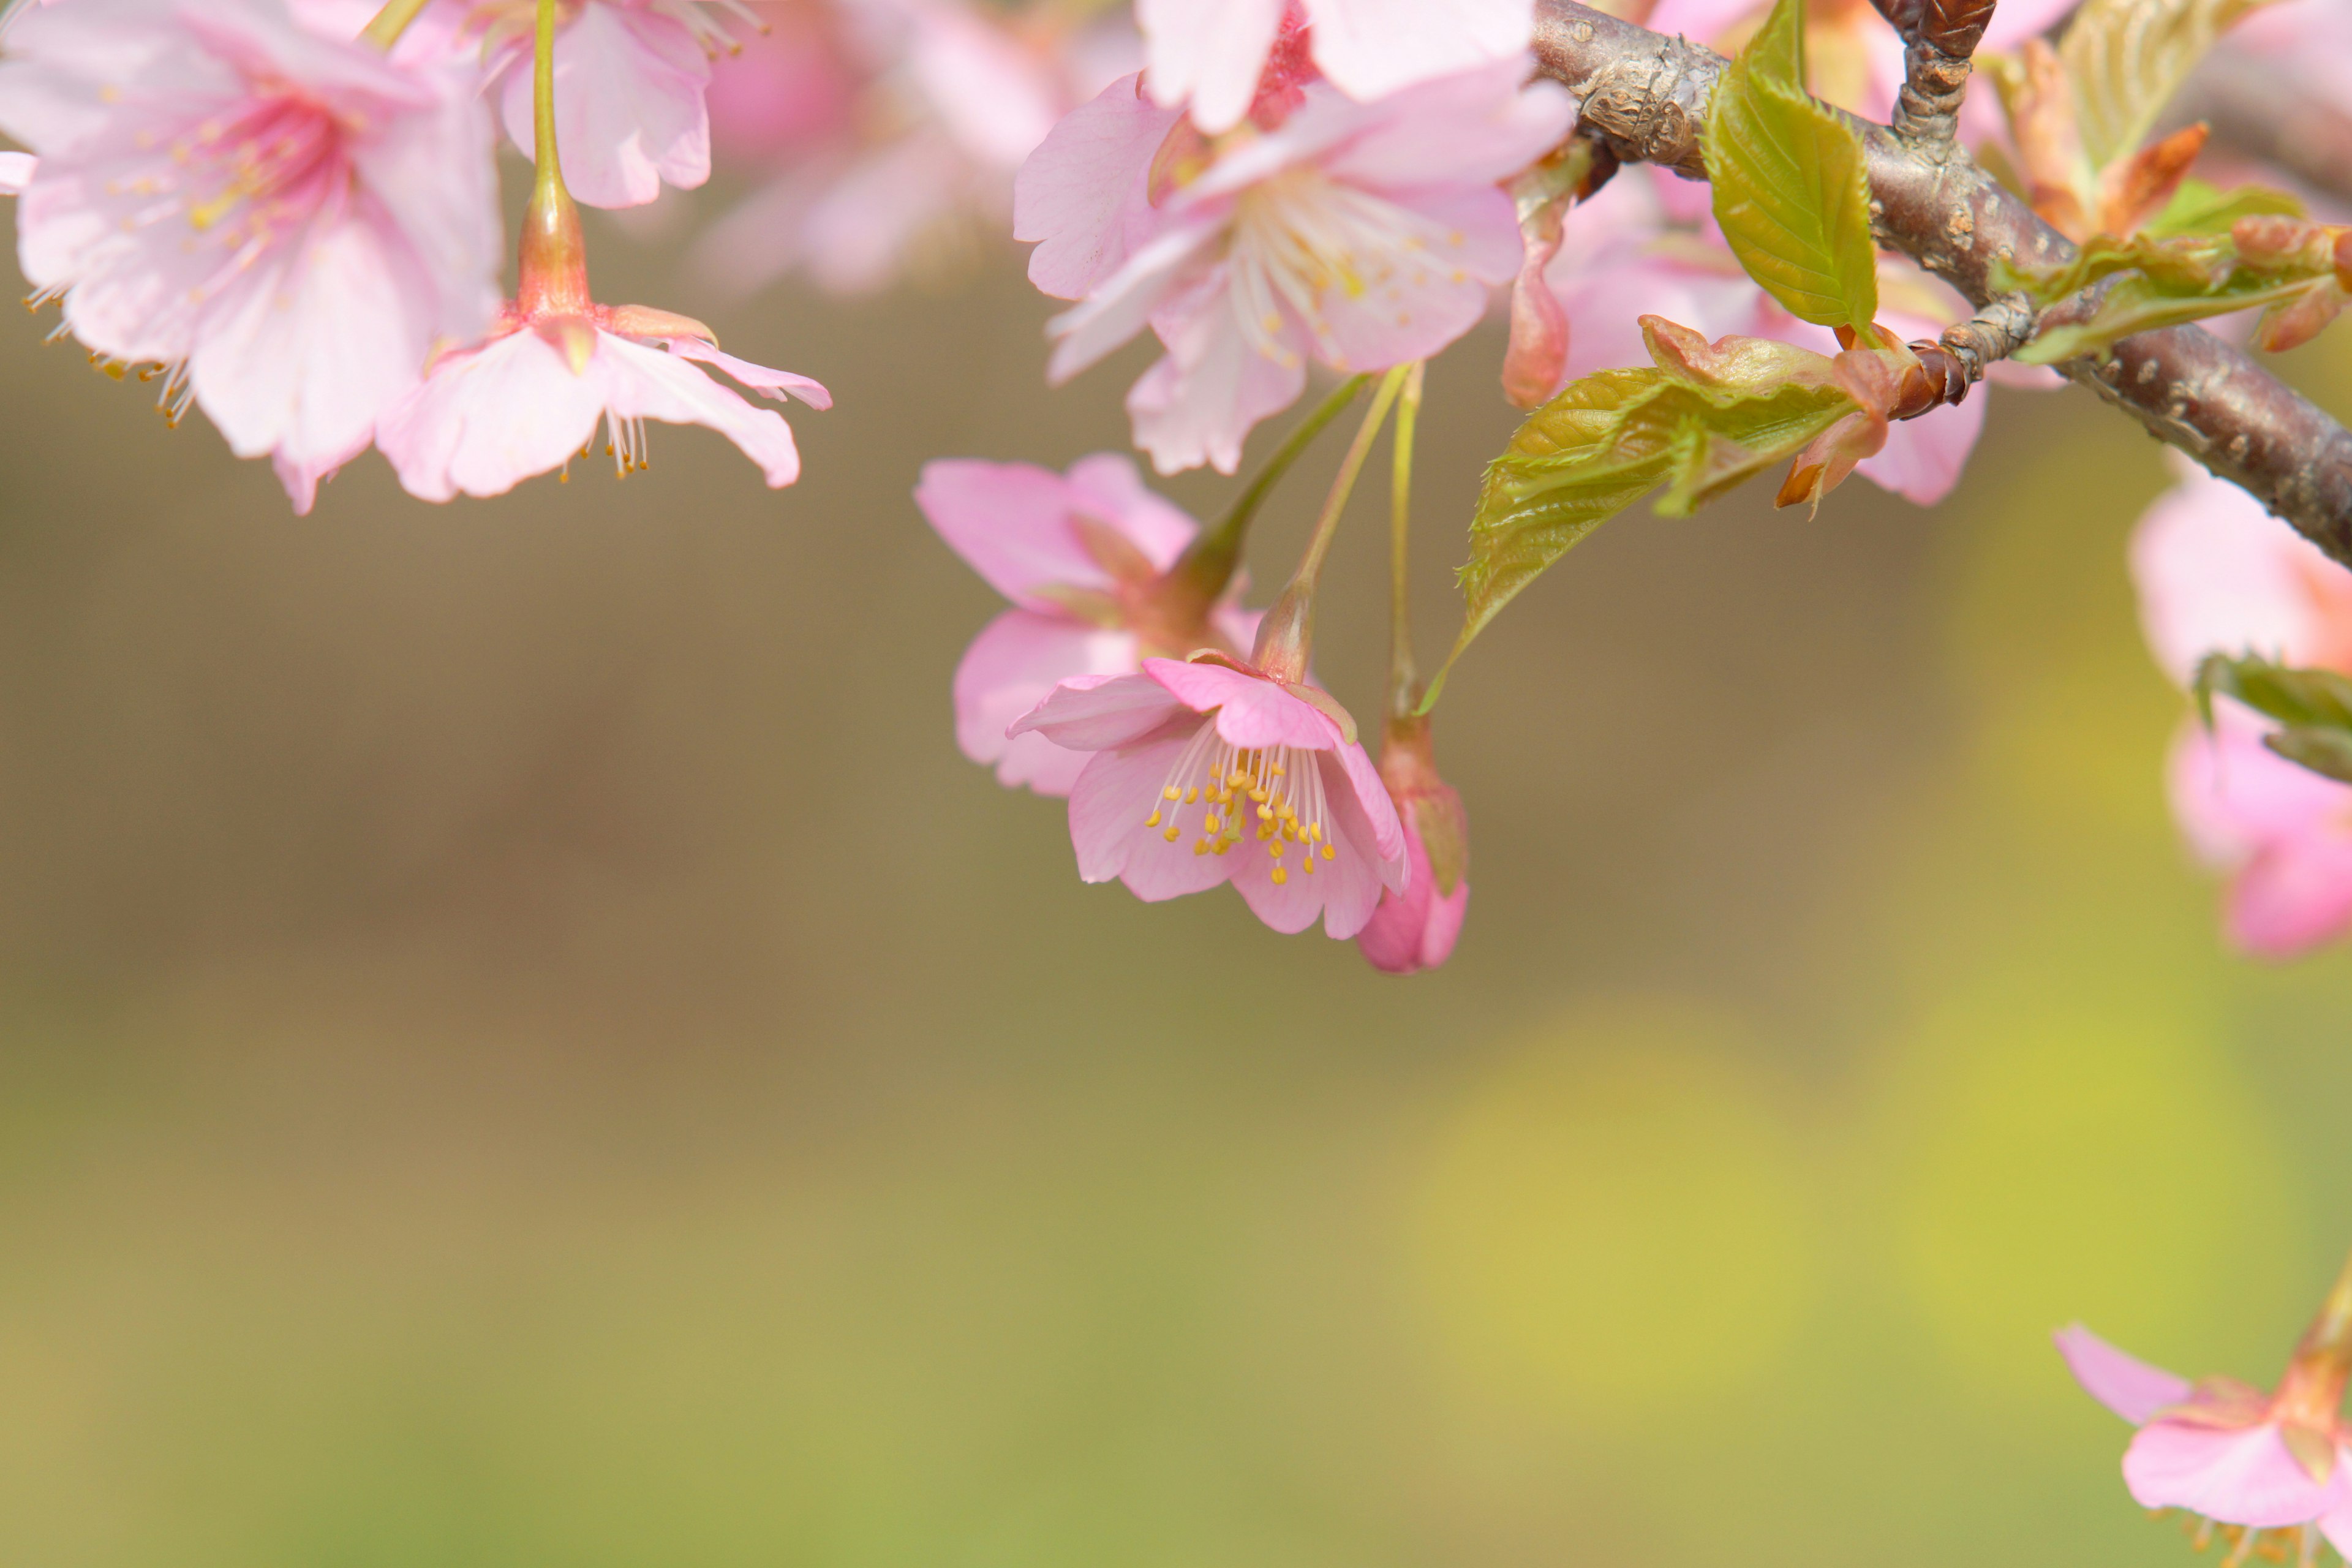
(284, 214)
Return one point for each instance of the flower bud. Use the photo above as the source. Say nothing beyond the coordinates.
(1415, 929)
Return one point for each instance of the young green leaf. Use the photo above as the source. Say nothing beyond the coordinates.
(1703, 419)
(1789, 180)
(2198, 208)
(2314, 707)
(2127, 58)
(2281, 264)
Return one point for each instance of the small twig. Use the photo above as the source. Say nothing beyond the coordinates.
(1939, 40)
(1645, 95)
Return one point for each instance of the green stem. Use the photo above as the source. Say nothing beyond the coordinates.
(553, 277)
(1288, 633)
(550, 167)
(1207, 564)
(1404, 677)
(392, 21)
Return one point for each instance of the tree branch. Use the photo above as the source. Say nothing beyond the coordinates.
(1645, 95)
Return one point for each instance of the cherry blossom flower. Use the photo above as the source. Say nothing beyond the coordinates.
(935, 104)
(2217, 575)
(284, 223)
(1208, 772)
(1415, 927)
(1210, 55)
(1363, 236)
(1085, 557)
(2227, 1451)
(528, 397)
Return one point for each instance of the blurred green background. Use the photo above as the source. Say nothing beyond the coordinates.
(521, 1041)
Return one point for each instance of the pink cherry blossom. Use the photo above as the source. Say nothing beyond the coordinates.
(1209, 55)
(1415, 927)
(2217, 575)
(630, 80)
(1207, 772)
(2225, 1451)
(1082, 557)
(1647, 245)
(528, 398)
(940, 103)
(1363, 236)
(284, 223)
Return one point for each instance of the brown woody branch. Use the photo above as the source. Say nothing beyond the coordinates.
(1645, 96)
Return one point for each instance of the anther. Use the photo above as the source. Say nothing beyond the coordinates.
(1280, 875)
(1173, 833)
(1152, 821)
(1330, 853)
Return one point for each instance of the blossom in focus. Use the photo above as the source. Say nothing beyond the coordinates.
(909, 118)
(284, 223)
(2218, 574)
(1210, 55)
(528, 397)
(1647, 244)
(1415, 927)
(1206, 771)
(1084, 557)
(2227, 1451)
(1361, 235)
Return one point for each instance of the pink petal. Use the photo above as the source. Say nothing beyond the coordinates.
(1415, 929)
(1014, 523)
(2216, 573)
(1372, 48)
(2292, 897)
(640, 382)
(1209, 53)
(1109, 487)
(1122, 306)
(1094, 712)
(2123, 1382)
(1075, 195)
(2235, 797)
(1012, 667)
(2236, 1475)
(995, 96)
(776, 384)
(489, 418)
(1473, 128)
(1250, 711)
(1110, 810)
(1379, 812)
(17, 173)
(2336, 1522)
(629, 105)
(1198, 402)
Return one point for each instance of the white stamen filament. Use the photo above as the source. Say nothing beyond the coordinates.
(1299, 234)
(1272, 794)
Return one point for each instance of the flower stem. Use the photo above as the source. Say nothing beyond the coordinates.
(553, 277)
(1201, 574)
(1404, 676)
(392, 21)
(1288, 633)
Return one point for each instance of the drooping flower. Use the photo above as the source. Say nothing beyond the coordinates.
(1210, 55)
(2229, 1452)
(284, 224)
(528, 398)
(1207, 771)
(1361, 235)
(1086, 559)
(1415, 927)
(933, 104)
(2217, 575)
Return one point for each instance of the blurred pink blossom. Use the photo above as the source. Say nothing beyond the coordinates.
(1209, 55)
(2218, 574)
(2226, 1450)
(1081, 556)
(284, 223)
(932, 105)
(1363, 236)
(1194, 760)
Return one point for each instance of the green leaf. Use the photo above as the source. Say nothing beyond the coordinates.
(1700, 422)
(1790, 183)
(2127, 58)
(2315, 707)
(2198, 208)
(2140, 303)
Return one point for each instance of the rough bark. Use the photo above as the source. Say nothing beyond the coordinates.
(1645, 95)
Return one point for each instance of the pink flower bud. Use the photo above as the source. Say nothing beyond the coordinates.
(1415, 929)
